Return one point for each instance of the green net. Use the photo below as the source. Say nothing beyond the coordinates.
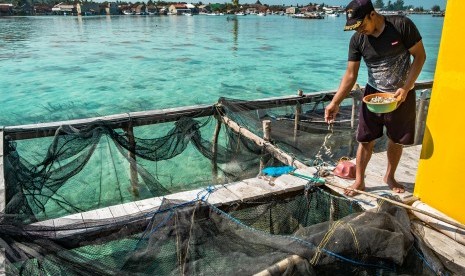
(81, 169)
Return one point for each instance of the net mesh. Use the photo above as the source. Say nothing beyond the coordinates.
(79, 170)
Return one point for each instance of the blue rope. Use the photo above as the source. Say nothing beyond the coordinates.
(208, 191)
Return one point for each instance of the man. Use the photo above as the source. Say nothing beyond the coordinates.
(386, 45)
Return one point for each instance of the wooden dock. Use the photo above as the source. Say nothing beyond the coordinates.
(252, 189)
(84, 227)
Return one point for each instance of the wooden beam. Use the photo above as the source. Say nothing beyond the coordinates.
(168, 115)
(114, 121)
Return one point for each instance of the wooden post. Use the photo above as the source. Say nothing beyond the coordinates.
(132, 160)
(421, 117)
(2, 201)
(298, 111)
(266, 130)
(266, 124)
(215, 151)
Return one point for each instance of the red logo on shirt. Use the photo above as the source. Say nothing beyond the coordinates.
(394, 43)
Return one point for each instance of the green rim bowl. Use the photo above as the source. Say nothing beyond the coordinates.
(381, 107)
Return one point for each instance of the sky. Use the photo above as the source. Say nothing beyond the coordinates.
(426, 4)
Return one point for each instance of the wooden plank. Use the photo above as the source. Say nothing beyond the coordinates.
(95, 217)
(222, 195)
(46, 224)
(247, 192)
(69, 221)
(149, 204)
(186, 196)
(123, 210)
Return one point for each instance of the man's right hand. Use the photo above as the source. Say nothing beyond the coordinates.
(330, 112)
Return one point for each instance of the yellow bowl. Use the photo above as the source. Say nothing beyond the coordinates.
(381, 107)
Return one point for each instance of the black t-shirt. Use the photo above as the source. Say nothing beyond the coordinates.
(386, 56)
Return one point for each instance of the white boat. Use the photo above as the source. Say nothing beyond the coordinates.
(128, 12)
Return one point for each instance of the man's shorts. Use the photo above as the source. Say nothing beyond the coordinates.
(400, 123)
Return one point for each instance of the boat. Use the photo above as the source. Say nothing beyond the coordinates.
(128, 12)
(308, 15)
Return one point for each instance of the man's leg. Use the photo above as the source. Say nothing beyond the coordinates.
(364, 152)
(394, 152)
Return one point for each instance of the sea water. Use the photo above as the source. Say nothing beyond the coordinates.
(58, 68)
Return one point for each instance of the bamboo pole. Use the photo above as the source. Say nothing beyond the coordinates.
(132, 158)
(408, 207)
(215, 151)
(273, 150)
(281, 266)
(453, 232)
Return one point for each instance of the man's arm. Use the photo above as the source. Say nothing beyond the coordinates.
(347, 82)
(419, 57)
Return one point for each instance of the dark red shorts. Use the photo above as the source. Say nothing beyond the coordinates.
(400, 123)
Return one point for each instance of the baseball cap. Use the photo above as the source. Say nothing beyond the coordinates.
(356, 12)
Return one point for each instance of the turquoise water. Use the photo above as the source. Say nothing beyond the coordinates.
(57, 68)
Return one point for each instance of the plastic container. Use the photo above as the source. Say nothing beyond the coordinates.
(381, 107)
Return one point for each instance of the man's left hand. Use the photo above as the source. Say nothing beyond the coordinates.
(402, 93)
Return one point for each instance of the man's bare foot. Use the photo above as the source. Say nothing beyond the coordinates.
(349, 192)
(394, 185)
